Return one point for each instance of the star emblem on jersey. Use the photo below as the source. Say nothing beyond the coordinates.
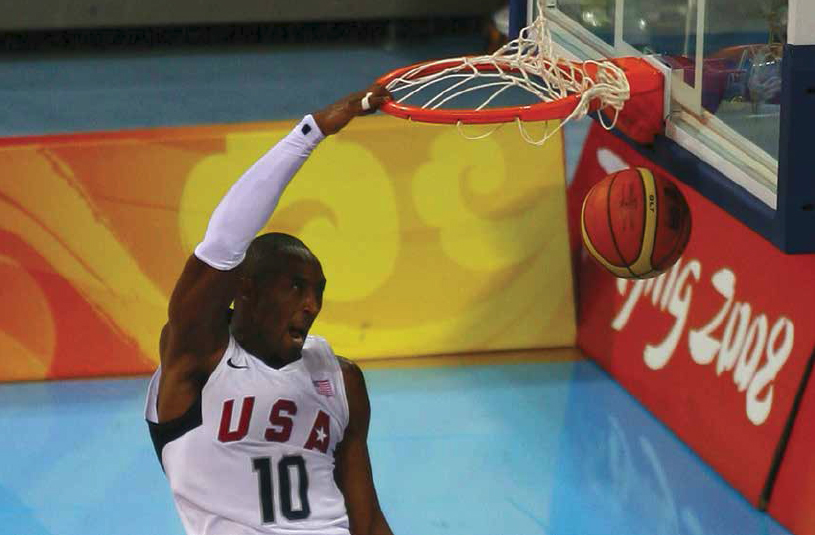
(320, 434)
(323, 387)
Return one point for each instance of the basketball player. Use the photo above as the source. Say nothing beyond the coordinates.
(259, 427)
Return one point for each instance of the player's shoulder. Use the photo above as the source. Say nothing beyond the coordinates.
(359, 406)
(352, 374)
(317, 348)
(348, 365)
(316, 342)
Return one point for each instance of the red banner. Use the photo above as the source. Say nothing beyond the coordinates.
(716, 347)
(794, 491)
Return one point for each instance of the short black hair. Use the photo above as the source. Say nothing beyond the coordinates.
(263, 255)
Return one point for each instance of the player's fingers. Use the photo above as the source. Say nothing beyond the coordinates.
(377, 102)
(380, 91)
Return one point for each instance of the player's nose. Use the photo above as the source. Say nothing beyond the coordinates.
(311, 304)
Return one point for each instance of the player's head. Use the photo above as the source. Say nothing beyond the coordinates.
(280, 295)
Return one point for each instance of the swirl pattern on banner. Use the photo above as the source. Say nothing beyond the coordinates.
(431, 244)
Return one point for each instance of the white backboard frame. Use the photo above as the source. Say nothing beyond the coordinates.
(688, 123)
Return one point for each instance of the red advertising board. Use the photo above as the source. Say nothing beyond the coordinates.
(716, 347)
(793, 495)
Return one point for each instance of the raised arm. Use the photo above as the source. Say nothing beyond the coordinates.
(353, 464)
(197, 330)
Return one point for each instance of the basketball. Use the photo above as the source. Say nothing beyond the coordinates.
(635, 224)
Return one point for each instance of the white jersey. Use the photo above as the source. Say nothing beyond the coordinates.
(255, 454)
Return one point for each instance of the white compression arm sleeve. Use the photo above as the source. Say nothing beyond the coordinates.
(249, 203)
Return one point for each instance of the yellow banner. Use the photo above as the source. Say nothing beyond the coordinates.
(431, 243)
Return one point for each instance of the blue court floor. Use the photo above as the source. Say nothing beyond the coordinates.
(521, 449)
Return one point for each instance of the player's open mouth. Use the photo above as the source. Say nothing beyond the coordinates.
(298, 336)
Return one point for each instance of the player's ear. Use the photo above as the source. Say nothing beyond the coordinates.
(247, 288)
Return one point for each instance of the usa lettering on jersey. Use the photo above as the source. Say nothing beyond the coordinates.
(281, 423)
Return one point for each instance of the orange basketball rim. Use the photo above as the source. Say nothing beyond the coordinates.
(640, 118)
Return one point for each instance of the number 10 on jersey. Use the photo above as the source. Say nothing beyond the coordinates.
(288, 466)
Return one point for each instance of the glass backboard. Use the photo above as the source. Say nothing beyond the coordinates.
(724, 68)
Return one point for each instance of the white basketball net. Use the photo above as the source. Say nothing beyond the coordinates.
(529, 62)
